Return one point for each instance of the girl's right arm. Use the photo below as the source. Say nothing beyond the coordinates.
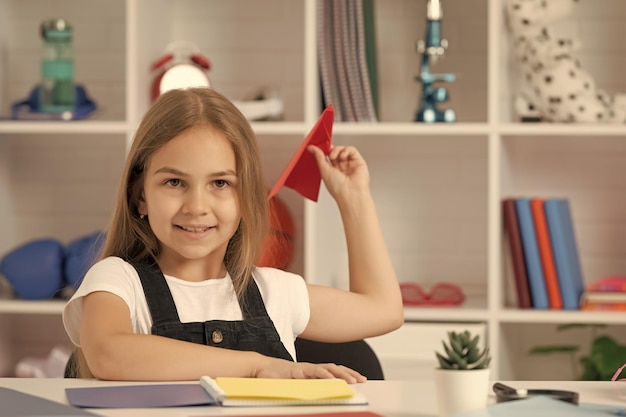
(114, 352)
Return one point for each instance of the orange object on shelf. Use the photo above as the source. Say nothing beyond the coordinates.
(277, 248)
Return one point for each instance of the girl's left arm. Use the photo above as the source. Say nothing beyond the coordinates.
(373, 304)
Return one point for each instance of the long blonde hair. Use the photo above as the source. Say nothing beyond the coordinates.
(131, 238)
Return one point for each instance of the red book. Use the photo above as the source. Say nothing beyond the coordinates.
(511, 228)
(545, 252)
(609, 284)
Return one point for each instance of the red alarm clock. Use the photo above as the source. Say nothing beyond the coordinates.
(182, 66)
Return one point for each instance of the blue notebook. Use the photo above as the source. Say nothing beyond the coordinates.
(565, 249)
(139, 396)
(534, 269)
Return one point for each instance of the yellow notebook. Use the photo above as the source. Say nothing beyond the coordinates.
(276, 391)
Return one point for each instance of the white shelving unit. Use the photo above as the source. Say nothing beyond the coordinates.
(438, 187)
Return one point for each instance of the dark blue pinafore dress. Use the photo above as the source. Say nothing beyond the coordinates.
(256, 332)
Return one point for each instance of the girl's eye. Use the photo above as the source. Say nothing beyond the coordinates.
(174, 182)
(221, 183)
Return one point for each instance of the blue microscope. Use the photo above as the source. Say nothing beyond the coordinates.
(431, 49)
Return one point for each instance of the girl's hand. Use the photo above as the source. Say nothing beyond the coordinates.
(279, 368)
(343, 170)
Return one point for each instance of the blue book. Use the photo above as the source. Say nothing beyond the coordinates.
(565, 249)
(534, 268)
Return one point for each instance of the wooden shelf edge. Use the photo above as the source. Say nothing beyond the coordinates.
(76, 127)
(516, 316)
(32, 306)
(439, 314)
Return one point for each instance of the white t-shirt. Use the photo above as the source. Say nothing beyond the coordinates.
(284, 294)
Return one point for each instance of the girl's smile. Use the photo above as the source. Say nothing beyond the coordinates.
(195, 232)
(194, 229)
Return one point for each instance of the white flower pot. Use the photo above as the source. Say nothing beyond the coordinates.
(459, 391)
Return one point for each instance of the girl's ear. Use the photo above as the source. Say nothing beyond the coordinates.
(141, 206)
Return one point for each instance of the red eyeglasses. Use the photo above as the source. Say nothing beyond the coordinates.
(441, 294)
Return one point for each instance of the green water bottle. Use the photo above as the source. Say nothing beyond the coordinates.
(57, 92)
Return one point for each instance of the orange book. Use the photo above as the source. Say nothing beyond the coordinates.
(545, 252)
(591, 306)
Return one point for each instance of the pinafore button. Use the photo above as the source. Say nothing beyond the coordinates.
(217, 336)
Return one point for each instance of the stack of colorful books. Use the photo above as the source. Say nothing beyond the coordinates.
(544, 254)
(605, 294)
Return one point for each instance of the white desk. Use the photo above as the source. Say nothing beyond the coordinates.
(389, 398)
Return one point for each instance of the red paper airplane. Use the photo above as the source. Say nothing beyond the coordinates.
(302, 173)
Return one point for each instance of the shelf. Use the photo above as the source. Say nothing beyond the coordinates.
(556, 129)
(438, 187)
(379, 128)
(31, 306)
(440, 314)
(457, 129)
(280, 128)
(560, 317)
(400, 129)
(78, 126)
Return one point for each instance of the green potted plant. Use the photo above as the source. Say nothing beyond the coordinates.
(462, 352)
(605, 355)
(462, 378)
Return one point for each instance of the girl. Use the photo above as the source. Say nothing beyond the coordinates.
(176, 294)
